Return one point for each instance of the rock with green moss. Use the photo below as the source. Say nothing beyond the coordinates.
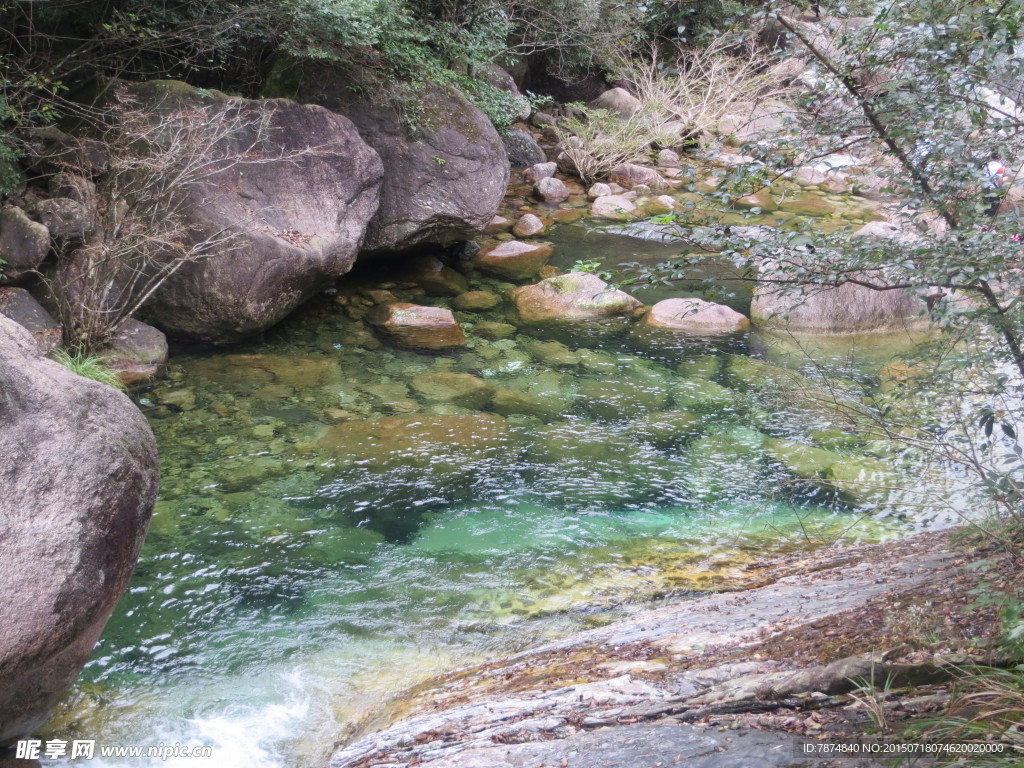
(702, 395)
(494, 331)
(611, 399)
(666, 429)
(576, 296)
(867, 480)
(808, 205)
(804, 461)
(704, 367)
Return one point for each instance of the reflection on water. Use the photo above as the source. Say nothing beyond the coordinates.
(340, 518)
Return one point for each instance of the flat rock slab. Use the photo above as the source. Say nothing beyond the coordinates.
(577, 701)
(647, 746)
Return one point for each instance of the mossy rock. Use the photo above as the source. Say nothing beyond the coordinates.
(866, 480)
(494, 331)
(804, 461)
(462, 389)
(702, 395)
(620, 399)
(760, 376)
(704, 367)
(808, 205)
(666, 429)
(579, 443)
(592, 361)
(835, 438)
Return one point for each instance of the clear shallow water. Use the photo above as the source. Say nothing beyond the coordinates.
(299, 571)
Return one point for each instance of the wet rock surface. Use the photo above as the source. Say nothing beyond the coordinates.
(636, 693)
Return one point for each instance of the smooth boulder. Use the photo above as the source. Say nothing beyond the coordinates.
(297, 222)
(79, 472)
(847, 310)
(416, 326)
(694, 316)
(576, 296)
(445, 166)
(136, 353)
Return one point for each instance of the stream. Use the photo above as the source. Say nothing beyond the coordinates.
(290, 585)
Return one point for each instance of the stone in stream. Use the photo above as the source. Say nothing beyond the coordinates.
(535, 173)
(462, 389)
(413, 325)
(614, 207)
(551, 190)
(847, 310)
(287, 370)
(702, 395)
(476, 301)
(444, 445)
(598, 190)
(761, 199)
(494, 331)
(612, 399)
(529, 225)
(552, 354)
(295, 224)
(577, 296)
(515, 259)
(522, 148)
(808, 205)
(80, 475)
(804, 461)
(136, 353)
(666, 429)
(630, 175)
(694, 316)
(435, 277)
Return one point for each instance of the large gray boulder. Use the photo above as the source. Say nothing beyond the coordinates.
(79, 474)
(21, 307)
(445, 166)
(847, 310)
(298, 221)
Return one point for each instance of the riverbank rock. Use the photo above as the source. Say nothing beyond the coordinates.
(297, 223)
(522, 149)
(413, 325)
(846, 310)
(476, 301)
(80, 472)
(514, 259)
(618, 100)
(694, 316)
(444, 178)
(136, 353)
(434, 276)
(539, 171)
(630, 175)
(529, 225)
(612, 207)
(20, 306)
(551, 190)
(23, 244)
(574, 296)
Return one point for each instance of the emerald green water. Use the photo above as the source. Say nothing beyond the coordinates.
(289, 586)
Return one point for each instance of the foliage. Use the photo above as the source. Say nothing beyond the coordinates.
(594, 141)
(698, 86)
(88, 367)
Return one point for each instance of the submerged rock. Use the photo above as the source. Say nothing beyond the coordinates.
(413, 325)
(79, 470)
(666, 429)
(435, 277)
(461, 389)
(611, 399)
(570, 297)
(476, 301)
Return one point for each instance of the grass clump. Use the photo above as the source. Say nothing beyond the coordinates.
(89, 367)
